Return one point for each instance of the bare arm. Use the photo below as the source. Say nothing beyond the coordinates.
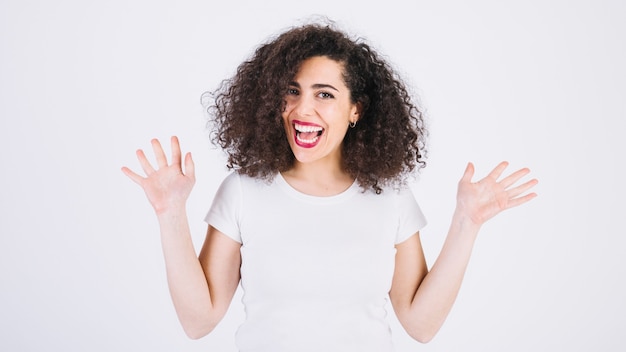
(422, 299)
(201, 288)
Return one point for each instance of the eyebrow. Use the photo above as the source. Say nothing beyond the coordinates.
(315, 86)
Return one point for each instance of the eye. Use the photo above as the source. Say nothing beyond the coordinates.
(325, 95)
(292, 91)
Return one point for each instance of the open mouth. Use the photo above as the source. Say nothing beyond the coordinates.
(307, 135)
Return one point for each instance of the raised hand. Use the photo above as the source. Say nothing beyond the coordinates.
(167, 187)
(483, 200)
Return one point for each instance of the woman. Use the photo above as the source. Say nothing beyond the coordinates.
(316, 219)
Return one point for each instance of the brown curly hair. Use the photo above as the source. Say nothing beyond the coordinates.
(386, 145)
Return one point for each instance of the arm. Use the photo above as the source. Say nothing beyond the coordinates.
(201, 288)
(422, 299)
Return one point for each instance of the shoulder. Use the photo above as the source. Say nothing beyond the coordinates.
(236, 183)
(392, 193)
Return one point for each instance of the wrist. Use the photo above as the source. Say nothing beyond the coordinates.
(171, 213)
(465, 223)
(171, 205)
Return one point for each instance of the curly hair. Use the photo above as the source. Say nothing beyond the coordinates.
(386, 145)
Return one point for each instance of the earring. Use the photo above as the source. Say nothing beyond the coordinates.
(352, 124)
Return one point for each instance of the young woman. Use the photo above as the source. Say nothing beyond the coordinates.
(316, 221)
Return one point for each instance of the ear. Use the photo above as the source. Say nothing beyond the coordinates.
(355, 112)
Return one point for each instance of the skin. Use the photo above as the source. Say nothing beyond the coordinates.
(319, 96)
(202, 287)
(422, 299)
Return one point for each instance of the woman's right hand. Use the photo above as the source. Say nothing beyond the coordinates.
(167, 187)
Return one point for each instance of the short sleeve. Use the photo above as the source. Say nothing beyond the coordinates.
(224, 213)
(411, 219)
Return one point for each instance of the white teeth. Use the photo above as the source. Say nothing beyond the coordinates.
(307, 141)
(307, 129)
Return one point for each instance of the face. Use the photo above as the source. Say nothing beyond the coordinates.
(318, 111)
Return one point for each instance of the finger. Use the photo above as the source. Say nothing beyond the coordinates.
(132, 175)
(514, 177)
(145, 164)
(498, 170)
(469, 173)
(514, 192)
(190, 169)
(175, 151)
(520, 200)
(158, 153)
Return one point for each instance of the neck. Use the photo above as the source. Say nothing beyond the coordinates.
(318, 178)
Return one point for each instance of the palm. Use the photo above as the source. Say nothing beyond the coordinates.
(166, 186)
(486, 198)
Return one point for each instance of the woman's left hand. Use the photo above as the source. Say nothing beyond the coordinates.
(482, 200)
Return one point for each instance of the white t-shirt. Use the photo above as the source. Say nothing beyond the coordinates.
(316, 271)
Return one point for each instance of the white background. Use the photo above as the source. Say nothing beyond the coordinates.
(84, 84)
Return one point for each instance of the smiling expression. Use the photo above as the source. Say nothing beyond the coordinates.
(318, 110)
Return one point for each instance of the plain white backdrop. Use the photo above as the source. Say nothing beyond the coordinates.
(83, 84)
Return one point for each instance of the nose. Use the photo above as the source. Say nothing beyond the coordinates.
(303, 106)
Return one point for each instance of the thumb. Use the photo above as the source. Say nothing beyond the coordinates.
(469, 173)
